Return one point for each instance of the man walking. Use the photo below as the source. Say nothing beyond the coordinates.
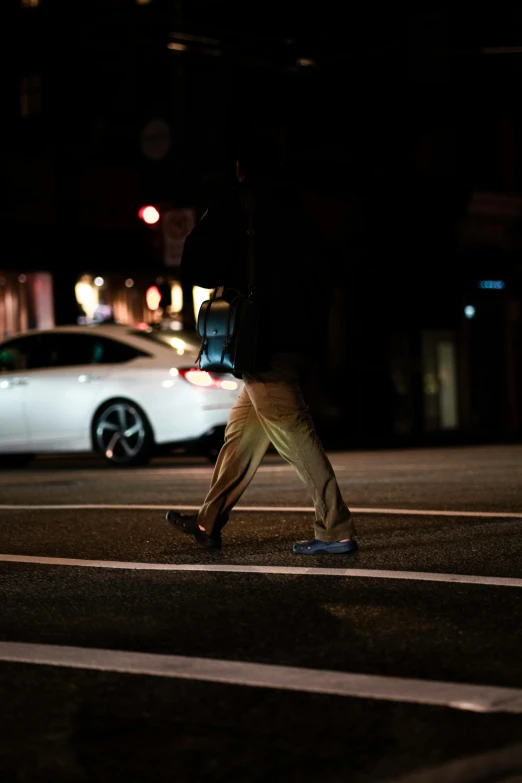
(290, 281)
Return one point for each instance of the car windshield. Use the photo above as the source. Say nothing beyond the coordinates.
(179, 342)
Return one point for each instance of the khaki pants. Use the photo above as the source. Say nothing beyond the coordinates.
(271, 408)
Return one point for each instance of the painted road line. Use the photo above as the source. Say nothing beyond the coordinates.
(418, 512)
(476, 698)
(420, 576)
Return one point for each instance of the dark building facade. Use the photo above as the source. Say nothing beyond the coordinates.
(402, 132)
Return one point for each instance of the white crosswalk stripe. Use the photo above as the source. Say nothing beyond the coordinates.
(476, 698)
(492, 581)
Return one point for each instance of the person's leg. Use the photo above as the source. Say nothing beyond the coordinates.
(280, 406)
(245, 445)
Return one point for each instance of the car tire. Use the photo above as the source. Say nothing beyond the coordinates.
(15, 461)
(122, 434)
(211, 454)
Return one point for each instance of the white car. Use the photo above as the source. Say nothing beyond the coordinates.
(125, 392)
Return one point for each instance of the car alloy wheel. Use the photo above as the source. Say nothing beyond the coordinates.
(122, 433)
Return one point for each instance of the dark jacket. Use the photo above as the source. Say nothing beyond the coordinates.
(290, 275)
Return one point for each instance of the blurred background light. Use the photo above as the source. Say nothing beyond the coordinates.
(469, 311)
(99, 281)
(178, 344)
(199, 295)
(492, 284)
(177, 298)
(86, 296)
(153, 297)
(149, 215)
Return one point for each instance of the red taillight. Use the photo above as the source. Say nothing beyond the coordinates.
(207, 379)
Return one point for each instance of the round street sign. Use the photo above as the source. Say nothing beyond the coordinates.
(155, 139)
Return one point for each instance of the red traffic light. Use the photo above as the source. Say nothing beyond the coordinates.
(149, 215)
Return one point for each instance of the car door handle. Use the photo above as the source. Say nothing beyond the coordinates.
(89, 376)
(18, 382)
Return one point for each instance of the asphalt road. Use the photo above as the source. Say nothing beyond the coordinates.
(127, 653)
